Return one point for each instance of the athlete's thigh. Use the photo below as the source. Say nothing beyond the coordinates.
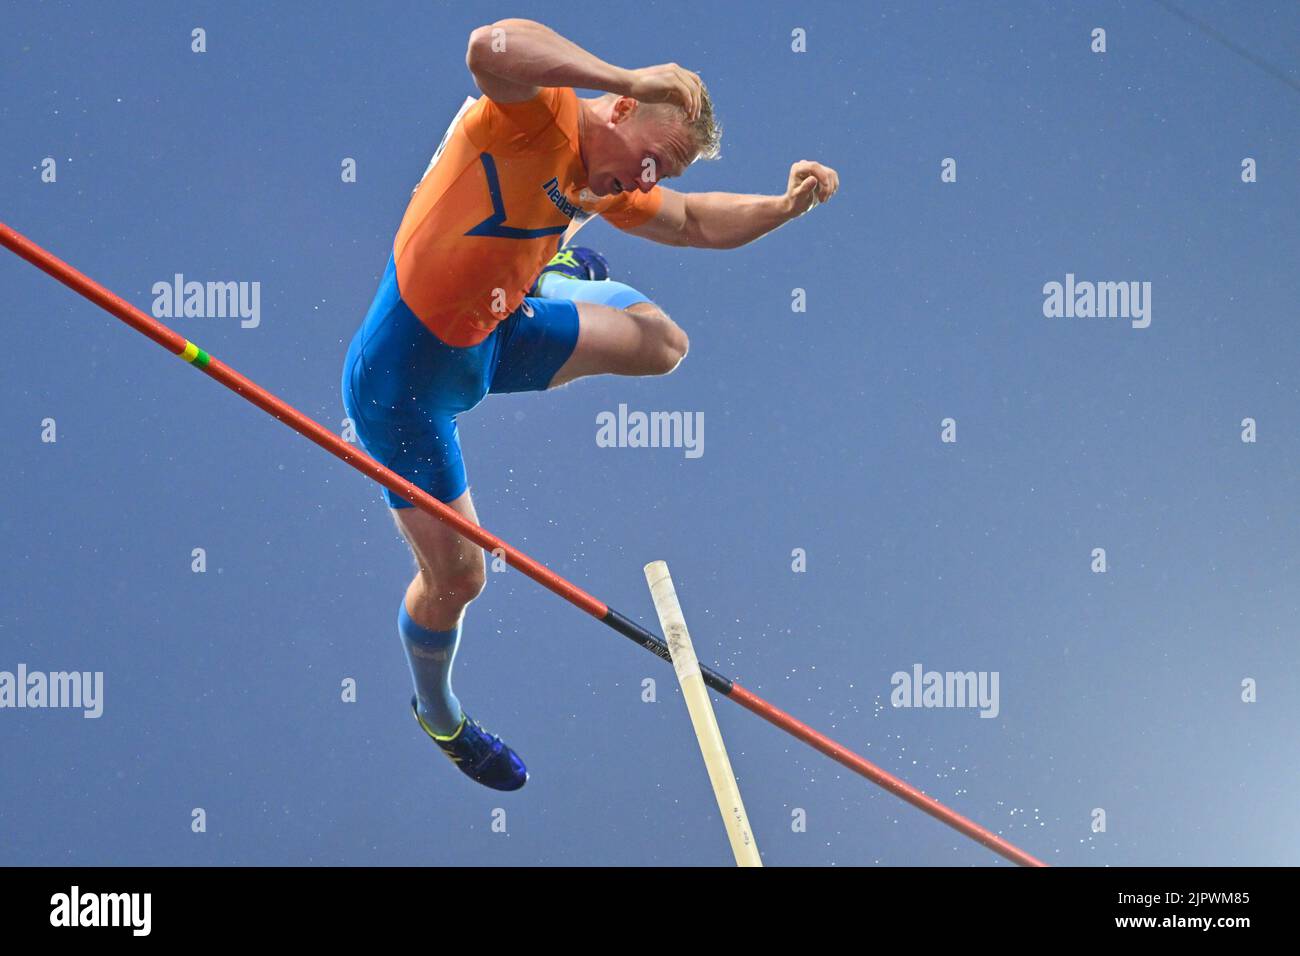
(614, 341)
(439, 550)
(532, 344)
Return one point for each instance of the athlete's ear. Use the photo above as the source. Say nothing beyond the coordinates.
(623, 110)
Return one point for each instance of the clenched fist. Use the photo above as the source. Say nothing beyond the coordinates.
(810, 183)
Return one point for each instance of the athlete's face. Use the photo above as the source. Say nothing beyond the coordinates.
(637, 148)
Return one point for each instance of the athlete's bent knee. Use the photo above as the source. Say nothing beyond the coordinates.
(666, 343)
(675, 347)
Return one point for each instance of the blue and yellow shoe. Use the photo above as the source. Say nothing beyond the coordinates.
(575, 262)
(481, 756)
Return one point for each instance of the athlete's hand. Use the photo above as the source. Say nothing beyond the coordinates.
(810, 183)
(667, 83)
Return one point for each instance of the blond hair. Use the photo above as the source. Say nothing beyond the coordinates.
(704, 133)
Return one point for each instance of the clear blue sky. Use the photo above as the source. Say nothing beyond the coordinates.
(1119, 691)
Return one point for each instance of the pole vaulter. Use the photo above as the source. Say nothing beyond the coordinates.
(233, 380)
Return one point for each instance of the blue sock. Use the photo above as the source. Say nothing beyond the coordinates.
(430, 655)
(602, 292)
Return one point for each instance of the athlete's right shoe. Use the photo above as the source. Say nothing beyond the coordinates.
(481, 756)
(574, 262)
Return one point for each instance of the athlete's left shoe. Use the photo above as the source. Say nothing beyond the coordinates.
(575, 262)
(481, 756)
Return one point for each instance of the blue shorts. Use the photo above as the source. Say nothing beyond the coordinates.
(403, 386)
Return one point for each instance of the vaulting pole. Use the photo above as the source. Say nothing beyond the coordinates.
(178, 345)
(716, 763)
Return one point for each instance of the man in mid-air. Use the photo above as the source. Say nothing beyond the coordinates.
(479, 297)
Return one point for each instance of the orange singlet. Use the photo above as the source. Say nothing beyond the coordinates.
(489, 213)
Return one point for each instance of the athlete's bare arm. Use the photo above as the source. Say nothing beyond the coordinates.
(511, 58)
(728, 220)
